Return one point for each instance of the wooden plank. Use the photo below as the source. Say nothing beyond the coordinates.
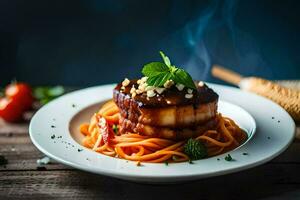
(271, 180)
(20, 139)
(24, 157)
(20, 180)
(13, 128)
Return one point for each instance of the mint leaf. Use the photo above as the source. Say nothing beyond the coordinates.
(181, 76)
(158, 73)
(165, 58)
(159, 80)
(154, 68)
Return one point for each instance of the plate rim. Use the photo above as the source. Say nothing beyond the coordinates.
(135, 177)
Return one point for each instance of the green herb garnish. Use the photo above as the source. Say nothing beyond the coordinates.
(115, 129)
(46, 94)
(195, 149)
(166, 163)
(228, 157)
(160, 72)
(245, 154)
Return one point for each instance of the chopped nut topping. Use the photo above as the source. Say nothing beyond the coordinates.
(125, 82)
(122, 88)
(139, 91)
(168, 83)
(149, 88)
(200, 84)
(159, 90)
(142, 87)
(133, 94)
(144, 79)
(190, 91)
(132, 90)
(188, 96)
(179, 86)
(150, 93)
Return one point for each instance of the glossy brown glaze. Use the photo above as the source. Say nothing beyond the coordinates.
(169, 110)
(170, 97)
(166, 132)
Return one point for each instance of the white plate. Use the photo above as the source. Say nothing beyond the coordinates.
(61, 117)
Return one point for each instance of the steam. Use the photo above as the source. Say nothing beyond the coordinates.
(214, 38)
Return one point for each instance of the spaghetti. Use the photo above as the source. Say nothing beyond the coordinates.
(100, 137)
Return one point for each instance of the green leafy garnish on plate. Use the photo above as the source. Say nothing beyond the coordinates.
(195, 149)
(159, 73)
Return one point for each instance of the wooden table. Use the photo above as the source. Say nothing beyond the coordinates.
(20, 178)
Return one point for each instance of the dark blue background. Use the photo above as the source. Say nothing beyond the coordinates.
(90, 42)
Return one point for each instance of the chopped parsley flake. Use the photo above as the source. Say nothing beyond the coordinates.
(115, 129)
(79, 150)
(52, 126)
(166, 163)
(245, 154)
(228, 157)
(52, 136)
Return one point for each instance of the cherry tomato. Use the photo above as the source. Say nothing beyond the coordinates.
(20, 93)
(10, 110)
